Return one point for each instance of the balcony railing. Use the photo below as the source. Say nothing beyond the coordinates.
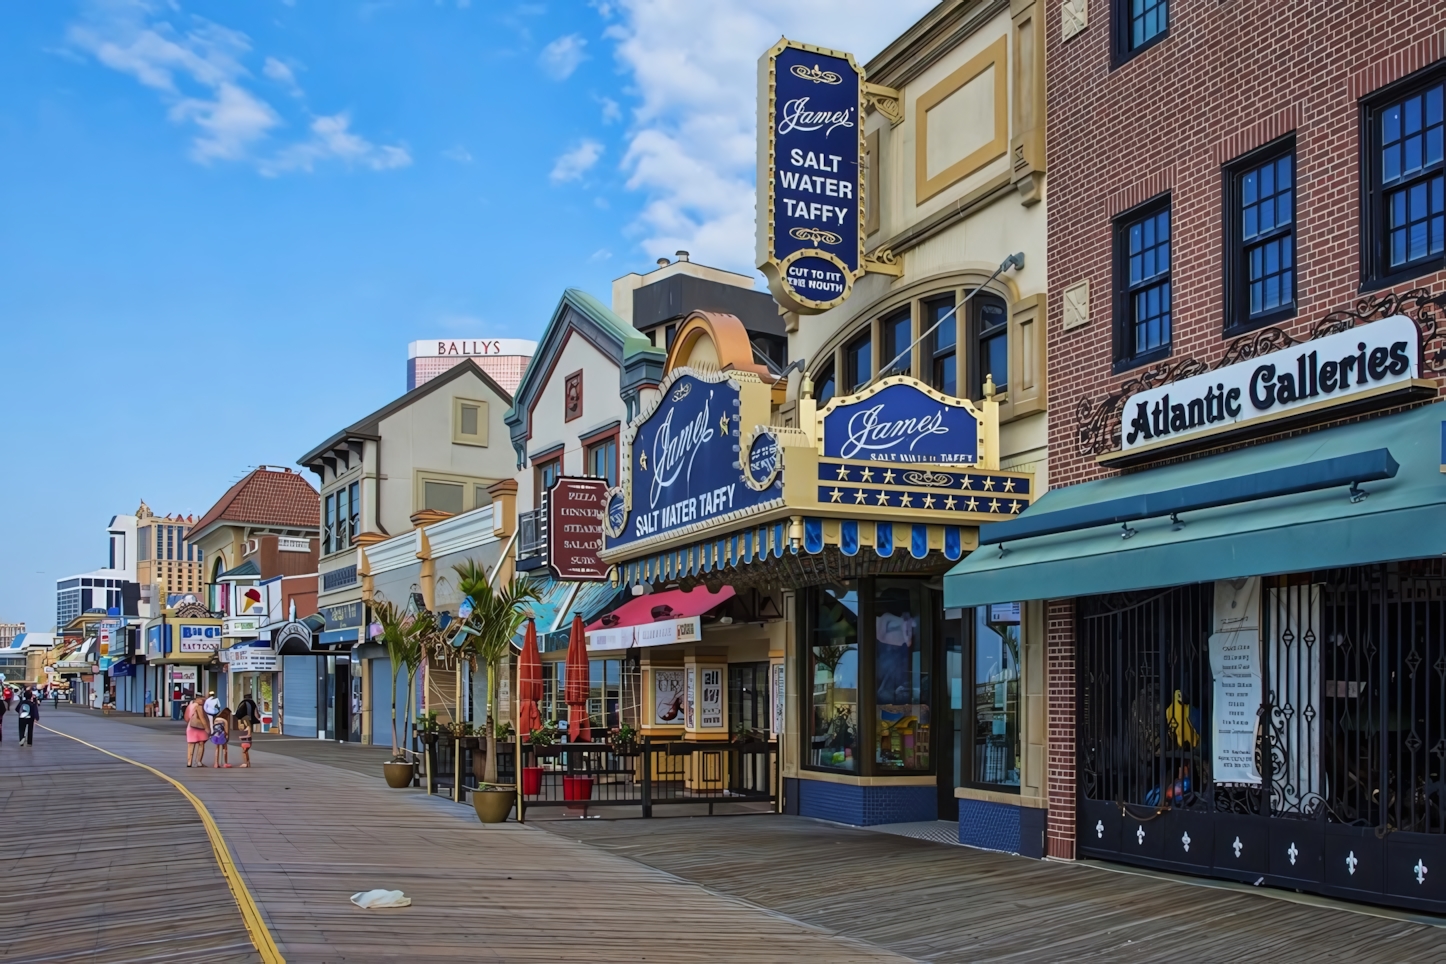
(531, 534)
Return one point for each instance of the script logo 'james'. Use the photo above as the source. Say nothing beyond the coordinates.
(867, 432)
(673, 454)
(797, 117)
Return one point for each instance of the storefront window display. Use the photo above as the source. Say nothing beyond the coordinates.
(604, 693)
(833, 668)
(901, 677)
(996, 756)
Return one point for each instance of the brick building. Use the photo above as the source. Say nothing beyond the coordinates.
(1247, 216)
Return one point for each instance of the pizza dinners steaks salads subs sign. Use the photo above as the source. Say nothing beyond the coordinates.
(1337, 367)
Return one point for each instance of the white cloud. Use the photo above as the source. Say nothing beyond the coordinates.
(601, 254)
(197, 67)
(561, 57)
(611, 111)
(459, 154)
(331, 139)
(574, 163)
(694, 71)
(283, 75)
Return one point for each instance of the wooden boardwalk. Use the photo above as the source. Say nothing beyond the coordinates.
(934, 902)
(306, 836)
(101, 861)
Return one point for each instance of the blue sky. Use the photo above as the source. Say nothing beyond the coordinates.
(221, 222)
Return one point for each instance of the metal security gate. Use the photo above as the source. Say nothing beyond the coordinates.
(1345, 735)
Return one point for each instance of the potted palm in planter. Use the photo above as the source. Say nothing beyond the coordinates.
(401, 637)
(498, 613)
(624, 740)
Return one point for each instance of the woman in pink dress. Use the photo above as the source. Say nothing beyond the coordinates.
(196, 732)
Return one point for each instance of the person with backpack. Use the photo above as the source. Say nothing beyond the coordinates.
(29, 714)
(197, 731)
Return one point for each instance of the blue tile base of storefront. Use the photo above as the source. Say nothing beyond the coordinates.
(863, 806)
(1002, 826)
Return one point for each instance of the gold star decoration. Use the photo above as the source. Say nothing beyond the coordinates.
(859, 496)
(906, 501)
(972, 505)
(1014, 507)
(1009, 485)
(643, 461)
(835, 495)
(883, 497)
(867, 475)
(967, 482)
(949, 502)
(888, 477)
(989, 483)
(929, 500)
(843, 473)
(723, 424)
(993, 505)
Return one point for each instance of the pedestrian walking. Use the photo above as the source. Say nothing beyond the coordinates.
(4, 707)
(55, 699)
(213, 706)
(245, 727)
(221, 736)
(28, 713)
(197, 730)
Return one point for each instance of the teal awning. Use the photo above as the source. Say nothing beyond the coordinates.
(1401, 518)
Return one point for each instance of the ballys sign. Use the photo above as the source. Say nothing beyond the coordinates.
(681, 461)
(899, 420)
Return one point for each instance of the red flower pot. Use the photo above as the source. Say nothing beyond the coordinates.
(576, 788)
(531, 781)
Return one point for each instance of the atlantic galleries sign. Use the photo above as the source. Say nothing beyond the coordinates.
(810, 192)
(1337, 369)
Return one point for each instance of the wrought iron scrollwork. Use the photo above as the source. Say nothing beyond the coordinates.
(1098, 422)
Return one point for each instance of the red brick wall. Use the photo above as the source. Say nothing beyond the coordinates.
(1059, 686)
(1231, 76)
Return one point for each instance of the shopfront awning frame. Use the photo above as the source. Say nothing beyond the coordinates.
(1401, 516)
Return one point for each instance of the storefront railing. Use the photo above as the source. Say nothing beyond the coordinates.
(724, 777)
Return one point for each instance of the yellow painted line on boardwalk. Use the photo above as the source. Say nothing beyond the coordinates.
(250, 913)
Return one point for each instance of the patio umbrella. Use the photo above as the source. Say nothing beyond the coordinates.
(578, 684)
(529, 683)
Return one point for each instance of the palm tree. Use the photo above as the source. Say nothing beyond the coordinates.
(402, 636)
(498, 613)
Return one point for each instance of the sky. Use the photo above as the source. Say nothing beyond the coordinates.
(221, 223)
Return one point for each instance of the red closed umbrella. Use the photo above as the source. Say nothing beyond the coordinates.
(578, 684)
(529, 683)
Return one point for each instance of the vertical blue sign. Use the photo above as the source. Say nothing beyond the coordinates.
(811, 149)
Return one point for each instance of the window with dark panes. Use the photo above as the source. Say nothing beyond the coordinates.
(897, 333)
(442, 496)
(547, 473)
(943, 369)
(990, 336)
(824, 385)
(859, 362)
(1138, 24)
(602, 460)
(343, 513)
(1260, 269)
(328, 541)
(354, 528)
(1406, 181)
(1143, 285)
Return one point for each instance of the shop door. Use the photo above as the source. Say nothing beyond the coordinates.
(341, 702)
(949, 736)
(748, 697)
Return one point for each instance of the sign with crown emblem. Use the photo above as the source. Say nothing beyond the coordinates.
(810, 145)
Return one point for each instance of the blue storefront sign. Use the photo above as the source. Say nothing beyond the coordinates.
(901, 422)
(343, 623)
(812, 143)
(683, 465)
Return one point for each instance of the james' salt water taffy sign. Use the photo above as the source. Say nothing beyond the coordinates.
(900, 420)
(681, 462)
(810, 194)
(1339, 368)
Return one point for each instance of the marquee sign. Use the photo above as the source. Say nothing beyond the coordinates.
(681, 463)
(573, 508)
(900, 420)
(1344, 367)
(811, 143)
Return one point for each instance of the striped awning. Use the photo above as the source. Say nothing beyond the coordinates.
(763, 544)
